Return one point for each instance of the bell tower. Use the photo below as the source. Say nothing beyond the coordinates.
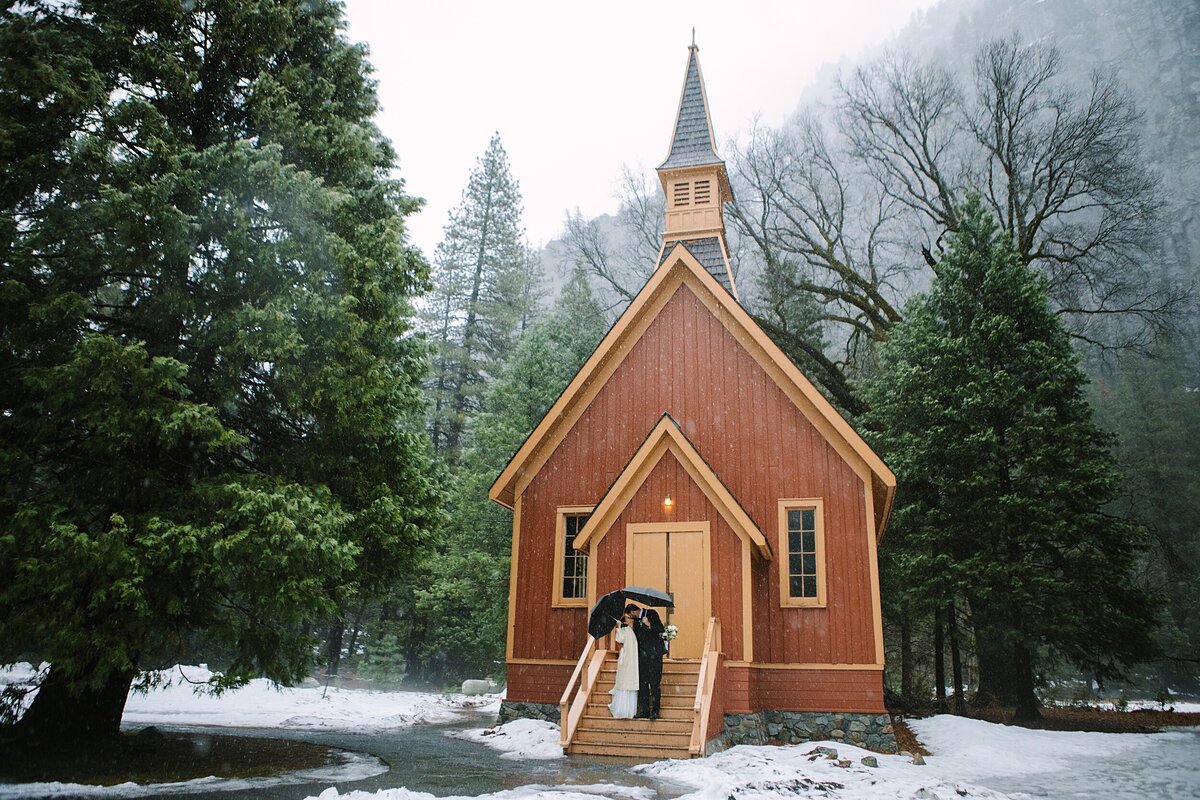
(695, 182)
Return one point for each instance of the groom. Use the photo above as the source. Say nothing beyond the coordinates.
(651, 648)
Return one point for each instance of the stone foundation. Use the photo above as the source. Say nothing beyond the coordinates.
(509, 710)
(871, 731)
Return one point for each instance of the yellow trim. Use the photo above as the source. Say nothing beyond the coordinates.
(683, 268)
(863, 667)
(873, 564)
(512, 581)
(547, 662)
(747, 615)
(785, 599)
(665, 437)
(560, 552)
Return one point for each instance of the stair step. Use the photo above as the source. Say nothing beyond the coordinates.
(621, 726)
(656, 740)
(628, 751)
(598, 711)
(665, 690)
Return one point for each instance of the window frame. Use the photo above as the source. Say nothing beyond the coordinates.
(816, 505)
(560, 553)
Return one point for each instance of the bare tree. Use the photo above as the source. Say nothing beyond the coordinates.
(822, 231)
(622, 252)
(845, 213)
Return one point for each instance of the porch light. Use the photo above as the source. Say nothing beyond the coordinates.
(668, 502)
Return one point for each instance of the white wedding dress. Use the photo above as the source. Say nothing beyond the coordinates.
(625, 692)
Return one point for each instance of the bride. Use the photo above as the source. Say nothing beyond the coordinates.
(625, 692)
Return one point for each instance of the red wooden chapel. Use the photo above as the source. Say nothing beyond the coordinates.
(690, 455)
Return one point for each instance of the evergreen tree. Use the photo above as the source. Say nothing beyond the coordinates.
(1003, 475)
(466, 602)
(211, 421)
(485, 288)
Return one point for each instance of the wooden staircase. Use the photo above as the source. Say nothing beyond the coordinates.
(690, 714)
(669, 736)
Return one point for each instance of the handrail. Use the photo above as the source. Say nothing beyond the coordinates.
(705, 681)
(578, 689)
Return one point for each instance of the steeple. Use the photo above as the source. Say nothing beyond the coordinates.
(695, 182)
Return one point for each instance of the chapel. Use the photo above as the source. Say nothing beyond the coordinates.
(690, 455)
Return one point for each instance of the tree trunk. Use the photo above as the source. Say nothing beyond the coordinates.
(955, 659)
(997, 669)
(59, 717)
(906, 660)
(337, 629)
(355, 626)
(939, 661)
(1027, 702)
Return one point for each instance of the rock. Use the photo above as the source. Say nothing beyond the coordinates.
(843, 763)
(823, 751)
(918, 760)
(870, 761)
(857, 726)
(474, 687)
(925, 794)
(837, 733)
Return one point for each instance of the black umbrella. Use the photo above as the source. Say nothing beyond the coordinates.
(606, 614)
(649, 597)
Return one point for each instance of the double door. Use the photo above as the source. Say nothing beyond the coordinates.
(674, 558)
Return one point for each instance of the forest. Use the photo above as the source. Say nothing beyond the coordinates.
(245, 422)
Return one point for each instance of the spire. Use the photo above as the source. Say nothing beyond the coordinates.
(695, 182)
(692, 142)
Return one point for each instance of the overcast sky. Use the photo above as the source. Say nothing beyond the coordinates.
(577, 90)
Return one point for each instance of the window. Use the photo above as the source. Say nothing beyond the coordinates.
(682, 194)
(571, 566)
(802, 552)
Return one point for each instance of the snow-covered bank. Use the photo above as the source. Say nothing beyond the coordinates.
(353, 767)
(531, 792)
(263, 704)
(520, 739)
(178, 699)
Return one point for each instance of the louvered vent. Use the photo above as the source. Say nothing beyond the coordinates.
(682, 194)
(703, 193)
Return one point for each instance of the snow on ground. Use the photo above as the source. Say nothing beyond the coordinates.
(519, 740)
(263, 704)
(971, 758)
(759, 773)
(1063, 764)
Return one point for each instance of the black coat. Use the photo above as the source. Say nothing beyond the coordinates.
(649, 637)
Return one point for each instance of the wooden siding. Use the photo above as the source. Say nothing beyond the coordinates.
(537, 683)
(858, 691)
(763, 449)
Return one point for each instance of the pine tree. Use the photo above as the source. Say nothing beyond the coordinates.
(1003, 475)
(211, 426)
(465, 602)
(485, 288)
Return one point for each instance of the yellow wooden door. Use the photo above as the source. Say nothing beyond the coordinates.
(675, 561)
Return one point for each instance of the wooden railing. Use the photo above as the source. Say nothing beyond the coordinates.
(579, 688)
(705, 682)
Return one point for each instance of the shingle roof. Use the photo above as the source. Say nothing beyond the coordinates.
(693, 140)
(710, 255)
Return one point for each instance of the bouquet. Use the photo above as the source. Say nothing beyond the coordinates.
(669, 633)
